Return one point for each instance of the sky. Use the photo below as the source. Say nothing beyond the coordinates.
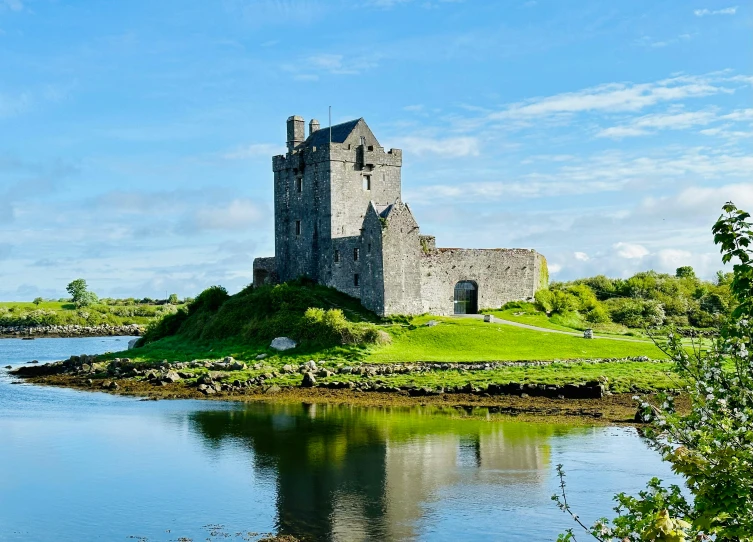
(136, 138)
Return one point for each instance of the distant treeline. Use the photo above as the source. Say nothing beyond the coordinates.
(647, 299)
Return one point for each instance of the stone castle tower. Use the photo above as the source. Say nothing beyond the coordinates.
(339, 220)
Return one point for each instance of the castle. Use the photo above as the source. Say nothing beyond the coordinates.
(340, 220)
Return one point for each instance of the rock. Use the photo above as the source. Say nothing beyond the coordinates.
(261, 356)
(33, 361)
(132, 343)
(237, 366)
(432, 323)
(588, 333)
(113, 386)
(9, 366)
(288, 369)
(171, 376)
(283, 343)
(324, 373)
(205, 379)
(206, 390)
(184, 374)
(308, 381)
(274, 388)
(310, 365)
(488, 318)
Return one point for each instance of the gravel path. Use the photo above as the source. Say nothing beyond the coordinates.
(543, 329)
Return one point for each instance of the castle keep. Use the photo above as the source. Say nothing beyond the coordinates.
(340, 220)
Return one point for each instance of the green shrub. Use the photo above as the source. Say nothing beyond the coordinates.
(635, 312)
(597, 315)
(544, 300)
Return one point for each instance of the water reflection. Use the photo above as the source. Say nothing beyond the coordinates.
(346, 473)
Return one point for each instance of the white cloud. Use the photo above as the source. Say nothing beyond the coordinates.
(670, 257)
(448, 147)
(617, 97)
(554, 268)
(13, 5)
(239, 214)
(581, 256)
(254, 150)
(11, 106)
(630, 251)
(648, 124)
(724, 11)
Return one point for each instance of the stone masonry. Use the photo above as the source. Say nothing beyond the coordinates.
(339, 220)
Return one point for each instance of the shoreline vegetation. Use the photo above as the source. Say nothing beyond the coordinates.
(219, 347)
(71, 331)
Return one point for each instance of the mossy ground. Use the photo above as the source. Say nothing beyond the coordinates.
(609, 410)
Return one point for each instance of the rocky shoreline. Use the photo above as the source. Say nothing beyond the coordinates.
(361, 384)
(15, 332)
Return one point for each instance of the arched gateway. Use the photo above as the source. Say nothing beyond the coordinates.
(466, 297)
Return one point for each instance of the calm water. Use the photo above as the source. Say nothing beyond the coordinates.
(89, 466)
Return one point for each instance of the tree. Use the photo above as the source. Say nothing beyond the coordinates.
(173, 299)
(711, 446)
(685, 272)
(79, 293)
(37, 301)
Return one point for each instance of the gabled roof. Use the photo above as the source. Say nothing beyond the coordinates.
(340, 133)
(383, 210)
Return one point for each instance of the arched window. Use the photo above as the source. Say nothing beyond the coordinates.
(466, 297)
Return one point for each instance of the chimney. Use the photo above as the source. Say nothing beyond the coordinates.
(313, 126)
(296, 131)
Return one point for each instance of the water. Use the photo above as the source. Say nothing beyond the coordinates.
(90, 466)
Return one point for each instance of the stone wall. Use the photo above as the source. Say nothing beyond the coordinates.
(401, 257)
(501, 275)
(265, 271)
(372, 270)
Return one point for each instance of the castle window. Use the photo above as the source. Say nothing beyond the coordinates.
(356, 253)
(368, 249)
(363, 140)
(356, 280)
(337, 256)
(367, 182)
(299, 184)
(298, 227)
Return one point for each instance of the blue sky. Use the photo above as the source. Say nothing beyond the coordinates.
(136, 137)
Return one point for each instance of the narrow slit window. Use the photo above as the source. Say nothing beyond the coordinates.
(298, 227)
(368, 249)
(356, 253)
(367, 182)
(299, 184)
(363, 140)
(337, 256)
(356, 280)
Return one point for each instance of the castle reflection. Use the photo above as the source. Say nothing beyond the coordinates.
(352, 473)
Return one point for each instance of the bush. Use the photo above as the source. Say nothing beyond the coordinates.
(597, 315)
(544, 300)
(636, 312)
(210, 300)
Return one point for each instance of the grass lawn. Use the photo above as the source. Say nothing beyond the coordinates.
(572, 323)
(474, 340)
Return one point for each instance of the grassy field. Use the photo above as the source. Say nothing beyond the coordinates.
(457, 339)
(528, 314)
(49, 313)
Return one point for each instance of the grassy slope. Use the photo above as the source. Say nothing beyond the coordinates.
(453, 340)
